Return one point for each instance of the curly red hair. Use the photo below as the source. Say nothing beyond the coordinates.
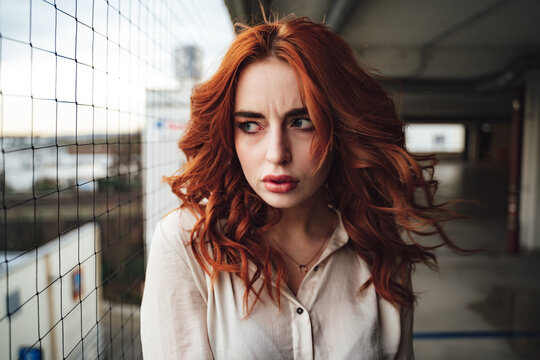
(372, 182)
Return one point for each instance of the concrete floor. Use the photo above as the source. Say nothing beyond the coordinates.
(481, 306)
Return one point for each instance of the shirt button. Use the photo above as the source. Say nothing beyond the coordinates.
(299, 311)
(316, 268)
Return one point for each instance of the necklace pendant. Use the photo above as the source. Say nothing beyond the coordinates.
(303, 269)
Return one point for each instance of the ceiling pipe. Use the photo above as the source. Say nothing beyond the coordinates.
(509, 75)
(236, 9)
(497, 81)
(248, 12)
(424, 50)
(339, 13)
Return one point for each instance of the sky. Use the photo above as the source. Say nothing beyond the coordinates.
(130, 50)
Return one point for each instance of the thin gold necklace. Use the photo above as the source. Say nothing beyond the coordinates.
(305, 267)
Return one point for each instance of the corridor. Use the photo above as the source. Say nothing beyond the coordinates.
(480, 306)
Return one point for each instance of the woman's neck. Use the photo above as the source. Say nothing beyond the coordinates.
(303, 224)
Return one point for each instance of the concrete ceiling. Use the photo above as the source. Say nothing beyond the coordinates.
(424, 39)
(462, 58)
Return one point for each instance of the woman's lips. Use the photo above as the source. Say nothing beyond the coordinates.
(280, 183)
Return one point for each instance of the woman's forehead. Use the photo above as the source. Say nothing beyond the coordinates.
(267, 83)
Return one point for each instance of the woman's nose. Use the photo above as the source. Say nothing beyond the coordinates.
(278, 151)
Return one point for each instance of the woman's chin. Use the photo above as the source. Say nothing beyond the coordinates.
(287, 200)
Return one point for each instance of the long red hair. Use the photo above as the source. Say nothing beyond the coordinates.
(373, 180)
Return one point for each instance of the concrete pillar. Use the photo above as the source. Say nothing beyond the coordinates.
(530, 170)
(516, 144)
(473, 142)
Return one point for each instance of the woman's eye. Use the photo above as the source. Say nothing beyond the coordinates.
(302, 123)
(249, 127)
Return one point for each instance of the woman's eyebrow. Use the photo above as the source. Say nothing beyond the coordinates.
(254, 115)
(249, 114)
(297, 112)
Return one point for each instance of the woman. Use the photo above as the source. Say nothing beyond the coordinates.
(296, 197)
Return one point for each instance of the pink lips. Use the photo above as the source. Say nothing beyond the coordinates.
(280, 183)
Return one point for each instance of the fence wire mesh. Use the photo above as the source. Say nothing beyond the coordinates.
(93, 97)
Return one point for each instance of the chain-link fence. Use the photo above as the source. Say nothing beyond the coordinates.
(93, 97)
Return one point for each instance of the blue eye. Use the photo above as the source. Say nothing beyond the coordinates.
(249, 127)
(302, 123)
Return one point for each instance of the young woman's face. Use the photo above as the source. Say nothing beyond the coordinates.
(273, 135)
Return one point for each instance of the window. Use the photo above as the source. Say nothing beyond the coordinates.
(441, 138)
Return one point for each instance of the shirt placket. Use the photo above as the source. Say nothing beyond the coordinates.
(300, 306)
(302, 330)
(302, 333)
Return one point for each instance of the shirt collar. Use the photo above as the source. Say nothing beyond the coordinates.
(338, 239)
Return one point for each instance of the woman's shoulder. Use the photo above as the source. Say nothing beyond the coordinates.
(177, 224)
(171, 241)
(172, 270)
(173, 232)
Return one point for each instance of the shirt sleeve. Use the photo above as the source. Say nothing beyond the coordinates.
(173, 310)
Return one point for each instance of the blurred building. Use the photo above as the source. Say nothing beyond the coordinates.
(188, 63)
(30, 168)
(55, 284)
(168, 114)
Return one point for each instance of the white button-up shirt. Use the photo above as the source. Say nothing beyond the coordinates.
(184, 316)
